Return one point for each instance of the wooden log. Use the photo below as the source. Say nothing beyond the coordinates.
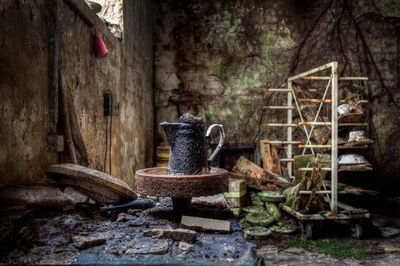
(311, 181)
(270, 158)
(256, 177)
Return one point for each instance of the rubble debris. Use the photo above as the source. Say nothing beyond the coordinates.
(121, 217)
(256, 232)
(301, 161)
(358, 138)
(237, 202)
(147, 247)
(378, 222)
(270, 158)
(344, 109)
(34, 195)
(135, 223)
(379, 250)
(154, 233)
(386, 231)
(352, 159)
(237, 185)
(310, 203)
(185, 247)
(84, 242)
(179, 234)
(351, 189)
(236, 211)
(206, 224)
(214, 201)
(76, 195)
(236, 195)
(103, 188)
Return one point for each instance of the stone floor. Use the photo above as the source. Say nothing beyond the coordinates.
(44, 236)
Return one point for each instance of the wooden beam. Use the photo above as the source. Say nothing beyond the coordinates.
(91, 19)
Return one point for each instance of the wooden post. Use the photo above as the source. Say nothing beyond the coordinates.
(334, 135)
(289, 130)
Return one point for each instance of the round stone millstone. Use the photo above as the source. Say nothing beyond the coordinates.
(250, 209)
(256, 232)
(283, 228)
(270, 196)
(157, 182)
(260, 218)
(273, 210)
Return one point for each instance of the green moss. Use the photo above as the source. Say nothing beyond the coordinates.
(329, 247)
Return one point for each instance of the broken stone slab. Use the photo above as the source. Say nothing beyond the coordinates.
(179, 234)
(135, 223)
(206, 224)
(34, 195)
(121, 217)
(387, 232)
(147, 247)
(76, 195)
(185, 247)
(84, 242)
(103, 188)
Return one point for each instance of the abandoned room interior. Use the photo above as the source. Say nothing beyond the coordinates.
(200, 132)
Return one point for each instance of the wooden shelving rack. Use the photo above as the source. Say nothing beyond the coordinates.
(331, 196)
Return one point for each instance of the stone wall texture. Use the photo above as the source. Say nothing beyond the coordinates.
(213, 59)
(26, 87)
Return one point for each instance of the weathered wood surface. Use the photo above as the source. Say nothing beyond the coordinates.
(244, 166)
(270, 158)
(261, 184)
(206, 224)
(76, 150)
(310, 203)
(97, 185)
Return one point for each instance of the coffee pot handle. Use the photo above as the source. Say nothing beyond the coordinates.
(221, 140)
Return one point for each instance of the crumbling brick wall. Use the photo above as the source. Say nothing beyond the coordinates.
(213, 58)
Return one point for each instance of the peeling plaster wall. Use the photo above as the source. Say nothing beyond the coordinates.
(25, 64)
(213, 59)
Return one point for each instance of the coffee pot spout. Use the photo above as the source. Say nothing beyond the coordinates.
(170, 133)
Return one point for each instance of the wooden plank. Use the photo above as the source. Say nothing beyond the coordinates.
(279, 107)
(270, 158)
(334, 134)
(289, 130)
(279, 124)
(277, 90)
(206, 224)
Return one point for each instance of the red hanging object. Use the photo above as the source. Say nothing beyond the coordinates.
(99, 47)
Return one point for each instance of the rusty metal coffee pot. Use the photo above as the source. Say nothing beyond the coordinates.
(188, 147)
